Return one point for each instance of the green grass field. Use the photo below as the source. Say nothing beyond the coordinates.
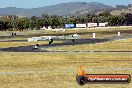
(58, 70)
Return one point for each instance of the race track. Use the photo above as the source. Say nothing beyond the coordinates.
(65, 42)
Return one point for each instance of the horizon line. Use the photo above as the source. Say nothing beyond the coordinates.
(58, 4)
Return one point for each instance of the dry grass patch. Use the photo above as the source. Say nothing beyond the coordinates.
(58, 70)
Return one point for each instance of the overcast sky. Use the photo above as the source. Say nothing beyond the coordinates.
(42, 3)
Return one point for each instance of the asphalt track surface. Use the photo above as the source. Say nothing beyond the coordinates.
(65, 42)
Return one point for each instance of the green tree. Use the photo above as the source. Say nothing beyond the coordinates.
(105, 13)
(128, 19)
(14, 21)
(102, 19)
(62, 21)
(113, 20)
(35, 22)
(45, 20)
(38, 23)
(25, 22)
(54, 21)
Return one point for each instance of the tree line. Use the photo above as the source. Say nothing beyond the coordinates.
(13, 22)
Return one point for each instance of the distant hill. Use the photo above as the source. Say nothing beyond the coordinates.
(59, 9)
(120, 9)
